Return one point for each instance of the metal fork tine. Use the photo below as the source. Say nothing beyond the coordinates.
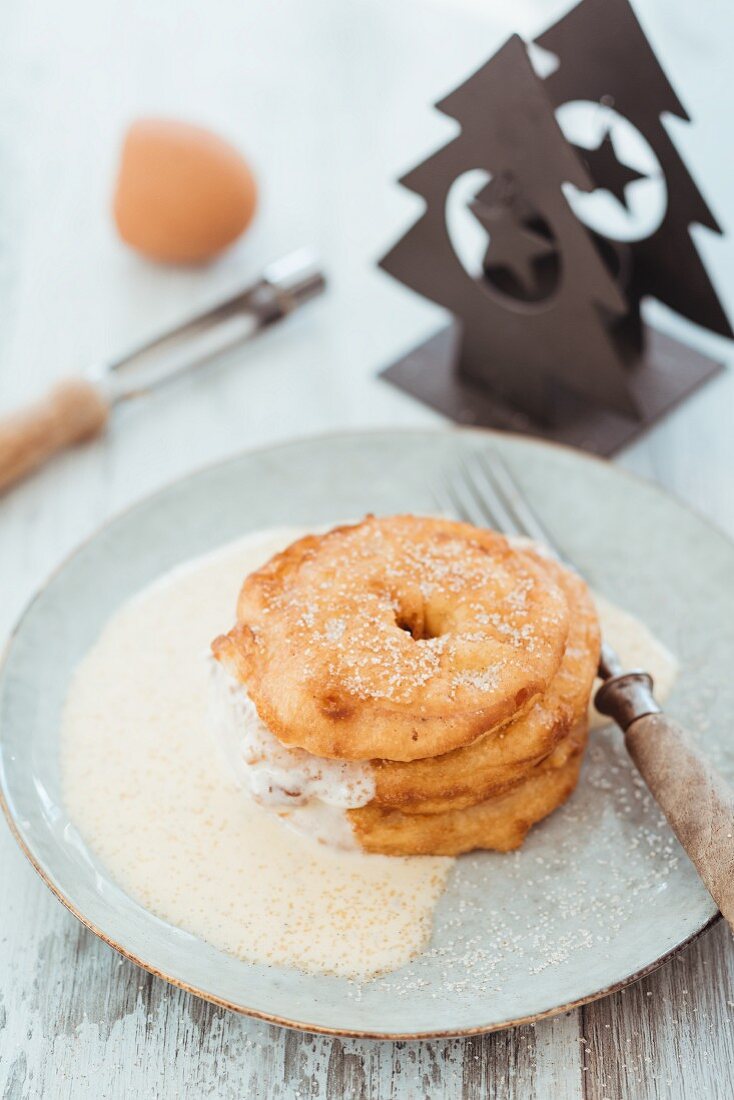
(443, 496)
(463, 503)
(489, 500)
(483, 491)
(497, 472)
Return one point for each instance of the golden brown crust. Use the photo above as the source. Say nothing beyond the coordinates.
(500, 823)
(501, 759)
(396, 638)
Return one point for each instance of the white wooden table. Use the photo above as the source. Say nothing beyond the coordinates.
(331, 99)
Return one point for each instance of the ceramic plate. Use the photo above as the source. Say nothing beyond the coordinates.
(599, 894)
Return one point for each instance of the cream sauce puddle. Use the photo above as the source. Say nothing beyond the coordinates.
(147, 789)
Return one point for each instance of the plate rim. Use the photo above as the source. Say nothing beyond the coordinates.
(222, 1002)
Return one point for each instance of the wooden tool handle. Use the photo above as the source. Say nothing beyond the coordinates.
(73, 411)
(695, 799)
(697, 802)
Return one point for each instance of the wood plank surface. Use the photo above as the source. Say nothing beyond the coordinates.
(298, 85)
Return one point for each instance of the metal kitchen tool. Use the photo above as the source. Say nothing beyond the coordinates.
(77, 409)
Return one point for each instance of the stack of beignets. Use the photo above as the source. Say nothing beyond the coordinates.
(456, 666)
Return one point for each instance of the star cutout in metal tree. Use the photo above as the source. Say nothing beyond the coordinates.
(607, 171)
(511, 244)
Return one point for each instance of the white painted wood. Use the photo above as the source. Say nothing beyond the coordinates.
(331, 100)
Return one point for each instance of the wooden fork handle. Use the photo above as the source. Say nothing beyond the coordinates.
(696, 800)
(73, 411)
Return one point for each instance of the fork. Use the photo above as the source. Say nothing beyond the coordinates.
(696, 800)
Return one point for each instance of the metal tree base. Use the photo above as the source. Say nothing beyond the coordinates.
(669, 372)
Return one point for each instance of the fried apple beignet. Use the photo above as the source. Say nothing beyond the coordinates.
(396, 638)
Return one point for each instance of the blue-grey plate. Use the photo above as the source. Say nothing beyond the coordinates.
(600, 893)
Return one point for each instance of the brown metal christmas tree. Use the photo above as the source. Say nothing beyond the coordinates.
(548, 336)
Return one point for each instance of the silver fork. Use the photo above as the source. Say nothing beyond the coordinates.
(696, 800)
(482, 491)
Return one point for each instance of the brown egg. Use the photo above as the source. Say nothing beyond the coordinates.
(183, 194)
